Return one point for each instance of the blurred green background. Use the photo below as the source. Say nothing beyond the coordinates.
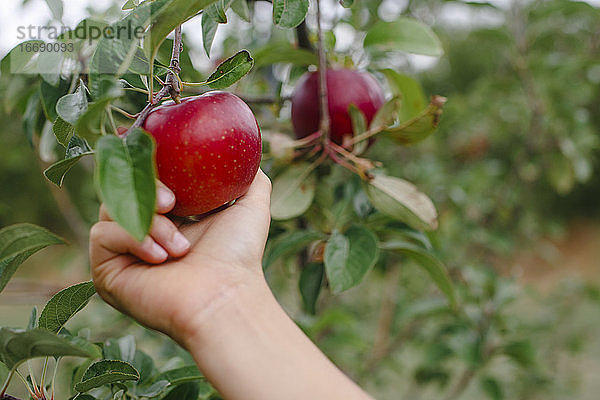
(514, 172)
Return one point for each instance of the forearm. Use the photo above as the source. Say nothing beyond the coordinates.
(250, 349)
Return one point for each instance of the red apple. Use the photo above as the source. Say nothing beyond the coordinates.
(344, 87)
(208, 150)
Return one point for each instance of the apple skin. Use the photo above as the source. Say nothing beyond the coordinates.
(344, 87)
(208, 150)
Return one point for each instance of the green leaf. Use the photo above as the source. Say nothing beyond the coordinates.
(63, 131)
(131, 4)
(209, 29)
(231, 70)
(56, 7)
(359, 125)
(411, 92)
(88, 125)
(82, 396)
(293, 191)
(168, 18)
(240, 7)
(491, 387)
(387, 114)
(346, 3)
(50, 95)
(114, 53)
(284, 53)
(63, 305)
(151, 391)
(436, 270)
(520, 351)
(106, 372)
(17, 346)
(288, 244)
(348, 257)
(403, 34)
(123, 349)
(32, 324)
(77, 374)
(145, 365)
(178, 376)
(4, 372)
(217, 10)
(409, 235)
(359, 121)
(125, 178)
(421, 126)
(72, 106)
(76, 149)
(401, 200)
(311, 280)
(289, 13)
(32, 115)
(186, 391)
(18, 58)
(50, 65)
(19, 242)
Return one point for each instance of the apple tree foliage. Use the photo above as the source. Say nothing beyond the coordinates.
(339, 213)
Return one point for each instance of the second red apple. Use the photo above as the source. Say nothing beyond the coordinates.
(344, 87)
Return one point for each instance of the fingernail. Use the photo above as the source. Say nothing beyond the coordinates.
(158, 251)
(179, 242)
(164, 197)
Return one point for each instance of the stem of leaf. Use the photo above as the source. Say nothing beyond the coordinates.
(111, 119)
(365, 135)
(305, 141)
(31, 393)
(134, 89)
(5, 387)
(54, 376)
(324, 106)
(33, 382)
(43, 379)
(123, 112)
(329, 151)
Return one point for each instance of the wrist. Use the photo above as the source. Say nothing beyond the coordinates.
(230, 303)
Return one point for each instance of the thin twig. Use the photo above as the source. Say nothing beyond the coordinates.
(171, 86)
(31, 393)
(324, 104)
(174, 68)
(123, 112)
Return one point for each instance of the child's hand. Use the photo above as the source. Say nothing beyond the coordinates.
(177, 278)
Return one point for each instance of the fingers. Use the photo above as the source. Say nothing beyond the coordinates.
(165, 233)
(108, 239)
(165, 198)
(165, 201)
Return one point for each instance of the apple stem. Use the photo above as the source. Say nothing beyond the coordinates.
(340, 161)
(361, 165)
(322, 79)
(308, 140)
(171, 87)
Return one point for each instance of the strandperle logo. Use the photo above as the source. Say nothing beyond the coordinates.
(54, 49)
(84, 31)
